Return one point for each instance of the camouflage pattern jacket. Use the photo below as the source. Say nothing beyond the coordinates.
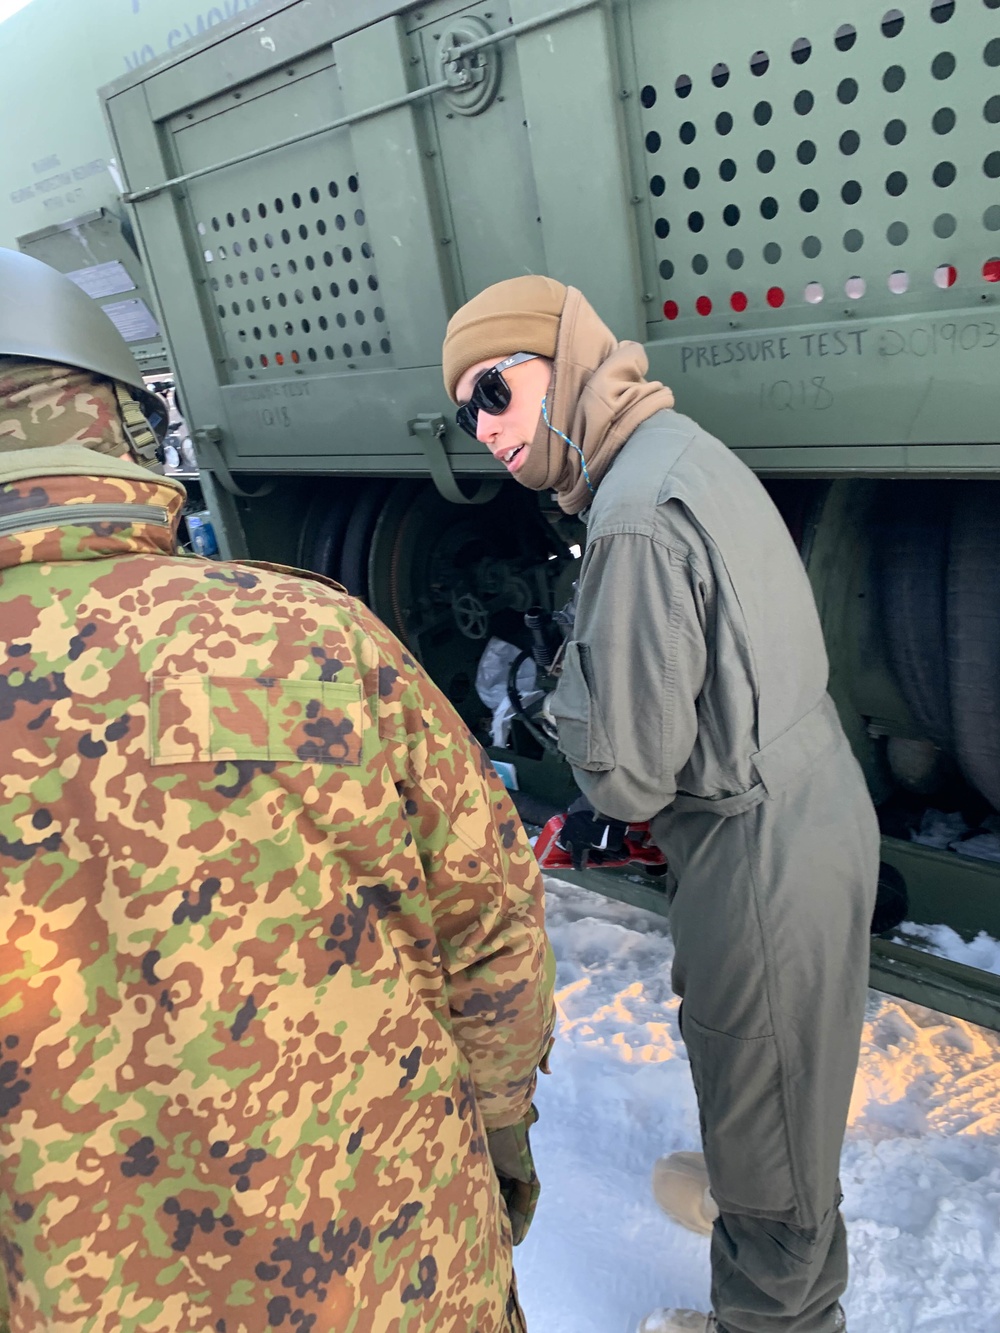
(272, 954)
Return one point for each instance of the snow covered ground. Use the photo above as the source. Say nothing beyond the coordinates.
(920, 1171)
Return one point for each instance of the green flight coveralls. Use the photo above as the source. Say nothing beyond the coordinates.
(694, 696)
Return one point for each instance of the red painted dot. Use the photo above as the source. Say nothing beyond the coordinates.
(738, 301)
(295, 357)
(279, 358)
(945, 275)
(703, 305)
(263, 360)
(991, 270)
(775, 297)
(671, 309)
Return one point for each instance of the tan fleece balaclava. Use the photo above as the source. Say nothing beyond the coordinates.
(597, 396)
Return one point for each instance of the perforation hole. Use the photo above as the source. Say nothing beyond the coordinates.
(723, 123)
(772, 253)
(682, 87)
(808, 201)
(352, 184)
(734, 258)
(895, 183)
(333, 189)
(899, 281)
(850, 192)
(892, 23)
(849, 142)
(662, 228)
(730, 215)
(695, 222)
(727, 169)
(666, 270)
(944, 226)
(760, 62)
(653, 142)
(813, 292)
(942, 10)
(720, 74)
(853, 240)
(245, 214)
(847, 91)
(801, 50)
(944, 174)
(762, 113)
(769, 208)
(262, 210)
(991, 218)
(991, 111)
(943, 64)
(894, 78)
(806, 152)
(945, 275)
(845, 36)
(765, 161)
(895, 132)
(812, 247)
(855, 288)
(279, 205)
(804, 102)
(692, 178)
(991, 165)
(897, 233)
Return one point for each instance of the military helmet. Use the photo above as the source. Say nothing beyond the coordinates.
(45, 316)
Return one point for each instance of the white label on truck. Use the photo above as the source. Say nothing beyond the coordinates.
(103, 279)
(133, 319)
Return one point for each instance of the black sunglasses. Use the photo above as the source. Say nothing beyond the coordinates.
(491, 393)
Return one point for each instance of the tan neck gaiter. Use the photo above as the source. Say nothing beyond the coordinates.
(597, 397)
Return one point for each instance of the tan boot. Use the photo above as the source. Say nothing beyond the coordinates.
(678, 1321)
(680, 1187)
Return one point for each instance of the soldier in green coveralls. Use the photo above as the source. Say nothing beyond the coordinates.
(694, 695)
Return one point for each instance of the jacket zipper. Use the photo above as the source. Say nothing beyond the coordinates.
(72, 515)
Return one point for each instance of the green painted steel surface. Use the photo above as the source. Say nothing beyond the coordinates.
(802, 225)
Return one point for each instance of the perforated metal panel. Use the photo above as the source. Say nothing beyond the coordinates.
(284, 247)
(849, 162)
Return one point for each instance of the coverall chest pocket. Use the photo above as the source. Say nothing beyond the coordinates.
(583, 737)
(197, 718)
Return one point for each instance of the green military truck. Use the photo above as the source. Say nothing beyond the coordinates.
(796, 209)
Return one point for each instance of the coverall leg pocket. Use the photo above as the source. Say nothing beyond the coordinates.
(743, 1123)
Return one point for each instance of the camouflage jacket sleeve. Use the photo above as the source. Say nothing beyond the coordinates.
(484, 884)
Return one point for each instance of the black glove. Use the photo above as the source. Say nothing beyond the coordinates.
(510, 1153)
(591, 838)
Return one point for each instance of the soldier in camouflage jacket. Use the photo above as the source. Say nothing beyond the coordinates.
(273, 968)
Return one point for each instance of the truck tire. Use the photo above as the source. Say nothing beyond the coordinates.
(911, 552)
(974, 634)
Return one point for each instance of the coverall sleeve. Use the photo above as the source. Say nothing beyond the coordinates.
(484, 885)
(626, 702)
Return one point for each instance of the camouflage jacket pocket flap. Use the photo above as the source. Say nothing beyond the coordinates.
(197, 718)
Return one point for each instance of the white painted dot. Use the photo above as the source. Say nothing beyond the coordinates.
(899, 281)
(814, 293)
(855, 287)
